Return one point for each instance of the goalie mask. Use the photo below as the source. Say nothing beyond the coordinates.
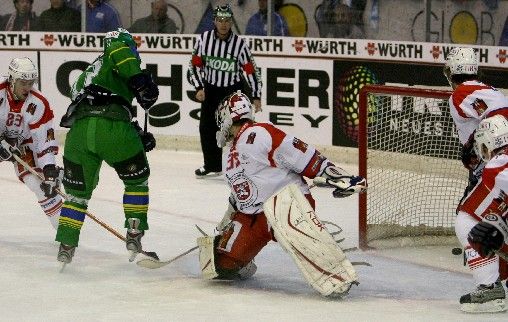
(232, 109)
(461, 61)
(492, 134)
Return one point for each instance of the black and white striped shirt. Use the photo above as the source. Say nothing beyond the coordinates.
(222, 62)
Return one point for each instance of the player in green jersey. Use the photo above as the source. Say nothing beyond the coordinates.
(101, 129)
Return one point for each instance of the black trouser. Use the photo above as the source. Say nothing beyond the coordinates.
(212, 154)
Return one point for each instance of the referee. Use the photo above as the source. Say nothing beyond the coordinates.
(218, 61)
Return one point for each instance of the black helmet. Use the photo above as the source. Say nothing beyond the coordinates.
(223, 12)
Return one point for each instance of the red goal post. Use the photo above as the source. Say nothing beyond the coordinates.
(409, 153)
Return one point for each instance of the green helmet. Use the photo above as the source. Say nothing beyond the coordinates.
(120, 34)
(223, 12)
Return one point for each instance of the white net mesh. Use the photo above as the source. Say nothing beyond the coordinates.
(414, 172)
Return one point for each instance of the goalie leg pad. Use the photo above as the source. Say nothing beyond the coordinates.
(207, 257)
(301, 234)
(208, 260)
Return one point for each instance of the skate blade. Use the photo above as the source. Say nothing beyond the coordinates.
(494, 306)
(62, 267)
(133, 255)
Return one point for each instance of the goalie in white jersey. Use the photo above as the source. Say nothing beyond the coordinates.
(26, 129)
(270, 200)
(471, 102)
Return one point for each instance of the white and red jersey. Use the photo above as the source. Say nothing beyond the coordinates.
(262, 160)
(28, 124)
(471, 102)
(490, 196)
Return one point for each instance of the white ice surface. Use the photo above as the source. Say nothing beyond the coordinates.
(421, 284)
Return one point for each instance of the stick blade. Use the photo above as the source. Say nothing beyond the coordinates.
(150, 263)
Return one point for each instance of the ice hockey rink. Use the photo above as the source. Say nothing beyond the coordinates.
(100, 284)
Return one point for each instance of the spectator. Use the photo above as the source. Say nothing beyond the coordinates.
(21, 20)
(258, 22)
(101, 16)
(60, 18)
(341, 18)
(157, 22)
(503, 40)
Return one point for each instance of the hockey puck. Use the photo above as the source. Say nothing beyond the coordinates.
(457, 251)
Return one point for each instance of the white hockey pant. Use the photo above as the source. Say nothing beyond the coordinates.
(485, 270)
(50, 206)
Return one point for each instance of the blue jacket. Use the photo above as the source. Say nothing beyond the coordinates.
(258, 25)
(102, 18)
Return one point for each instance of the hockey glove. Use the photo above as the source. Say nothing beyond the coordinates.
(344, 184)
(7, 150)
(145, 89)
(147, 138)
(485, 238)
(468, 156)
(51, 180)
(228, 214)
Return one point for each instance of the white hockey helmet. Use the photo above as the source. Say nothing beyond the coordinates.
(492, 134)
(22, 68)
(233, 108)
(462, 60)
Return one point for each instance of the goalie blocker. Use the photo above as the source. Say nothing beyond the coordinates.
(300, 233)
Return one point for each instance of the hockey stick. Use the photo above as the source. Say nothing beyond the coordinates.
(502, 255)
(88, 214)
(153, 264)
(149, 263)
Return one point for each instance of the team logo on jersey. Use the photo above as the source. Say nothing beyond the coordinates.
(250, 138)
(244, 189)
(50, 135)
(479, 106)
(31, 108)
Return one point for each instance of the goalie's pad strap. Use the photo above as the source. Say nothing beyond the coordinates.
(309, 243)
(206, 257)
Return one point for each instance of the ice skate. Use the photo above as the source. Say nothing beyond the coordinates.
(202, 173)
(486, 298)
(247, 271)
(133, 238)
(65, 254)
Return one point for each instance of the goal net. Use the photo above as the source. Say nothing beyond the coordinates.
(409, 152)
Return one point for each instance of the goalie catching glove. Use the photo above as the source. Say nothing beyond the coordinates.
(345, 185)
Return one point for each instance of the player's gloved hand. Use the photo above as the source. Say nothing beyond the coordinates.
(7, 150)
(51, 181)
(145, 89)
(468, 156)
(344, 183)
(147, 138)
(485, 238)
(228, 214)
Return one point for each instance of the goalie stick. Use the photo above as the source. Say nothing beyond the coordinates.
(152, 255)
